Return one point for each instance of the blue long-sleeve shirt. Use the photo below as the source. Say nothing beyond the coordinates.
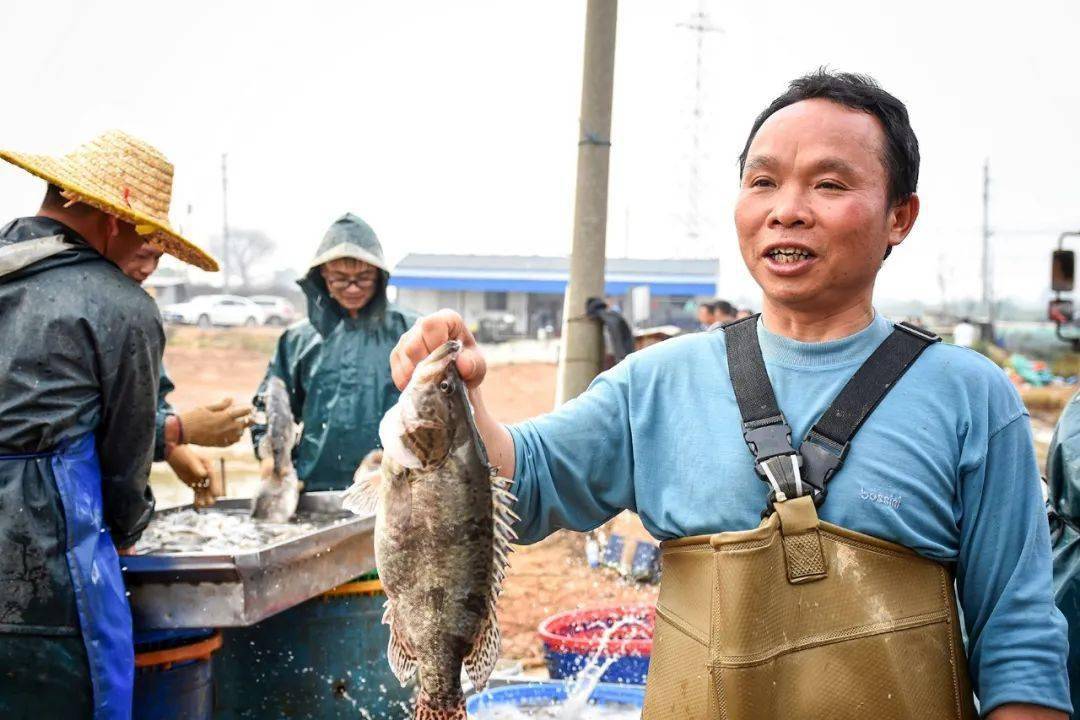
(945, 466)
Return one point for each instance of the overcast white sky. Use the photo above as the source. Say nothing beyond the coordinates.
(452, 126)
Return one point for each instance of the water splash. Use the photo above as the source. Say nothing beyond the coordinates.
(580, 688)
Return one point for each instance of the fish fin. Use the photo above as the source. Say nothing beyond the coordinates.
(485, 650)
(363, 496)
(402, 659)
(372, 461)
(502, 509)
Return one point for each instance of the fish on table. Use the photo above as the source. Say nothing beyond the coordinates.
(442, 537)
(279, 487)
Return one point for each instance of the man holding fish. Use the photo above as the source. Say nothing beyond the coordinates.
(925, 450)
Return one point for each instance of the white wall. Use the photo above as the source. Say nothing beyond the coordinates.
(421, 301)
(517, 303)
(469, 304)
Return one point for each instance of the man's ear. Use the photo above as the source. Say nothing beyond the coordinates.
(112, 227)
(901, 219)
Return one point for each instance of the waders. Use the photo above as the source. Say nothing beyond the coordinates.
(799, 618)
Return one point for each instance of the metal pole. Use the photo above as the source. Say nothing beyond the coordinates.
(582, 348)
(224, 222)
(987, 280)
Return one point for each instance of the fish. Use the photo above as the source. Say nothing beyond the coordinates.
(279, 490)
(443, 528)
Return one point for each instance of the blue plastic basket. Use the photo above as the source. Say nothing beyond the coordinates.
(630, 669)
(552, 691)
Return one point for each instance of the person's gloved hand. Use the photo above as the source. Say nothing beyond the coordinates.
(198, 473)
(217, 425)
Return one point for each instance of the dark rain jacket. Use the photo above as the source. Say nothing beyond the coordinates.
(336, 368)
(1063, 476)
(80, 353)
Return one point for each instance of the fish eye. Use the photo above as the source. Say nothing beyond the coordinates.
(446, 387)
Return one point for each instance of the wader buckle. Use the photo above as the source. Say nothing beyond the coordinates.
(776, 461)
(821, 459)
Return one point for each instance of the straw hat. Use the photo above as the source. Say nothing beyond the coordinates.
(122, 176)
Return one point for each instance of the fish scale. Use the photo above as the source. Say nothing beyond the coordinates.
(442, 535)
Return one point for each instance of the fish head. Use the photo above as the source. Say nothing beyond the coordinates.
(420, 431)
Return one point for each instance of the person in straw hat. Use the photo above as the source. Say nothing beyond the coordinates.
(77, 407)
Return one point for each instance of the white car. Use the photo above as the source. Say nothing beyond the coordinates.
(209, 310)
(279, 311)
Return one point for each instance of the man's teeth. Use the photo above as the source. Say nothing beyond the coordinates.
(788, 255)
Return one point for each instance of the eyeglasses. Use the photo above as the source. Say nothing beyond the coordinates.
(362, 283)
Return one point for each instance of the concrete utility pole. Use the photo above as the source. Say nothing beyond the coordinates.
(582, 349)
(987, 267)
(224, 223)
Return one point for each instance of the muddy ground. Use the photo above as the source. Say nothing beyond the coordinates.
(545, 578)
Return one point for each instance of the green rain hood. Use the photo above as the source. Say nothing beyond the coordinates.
(337, 368)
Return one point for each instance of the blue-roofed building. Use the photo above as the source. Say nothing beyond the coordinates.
(531, 288)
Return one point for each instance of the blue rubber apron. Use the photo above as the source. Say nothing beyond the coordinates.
(100, 598)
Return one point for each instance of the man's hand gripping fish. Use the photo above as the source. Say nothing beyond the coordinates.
(442, 537)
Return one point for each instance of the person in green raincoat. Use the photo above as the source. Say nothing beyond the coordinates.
(336, 364)
(336, 368)
(1063, 504)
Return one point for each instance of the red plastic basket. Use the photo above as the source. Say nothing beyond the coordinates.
(581, 631)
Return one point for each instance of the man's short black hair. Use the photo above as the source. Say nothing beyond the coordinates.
(858, 92)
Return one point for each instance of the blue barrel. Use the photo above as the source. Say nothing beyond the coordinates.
(174, 674)
(323, 659)
(550, 692)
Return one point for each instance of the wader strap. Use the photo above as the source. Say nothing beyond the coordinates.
(753, 391)
(822, 452)
(826, 444)
(765, 429)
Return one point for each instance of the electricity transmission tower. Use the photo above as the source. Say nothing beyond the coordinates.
(700, 24)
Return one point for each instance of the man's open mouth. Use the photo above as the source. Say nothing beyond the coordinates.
(785, 255)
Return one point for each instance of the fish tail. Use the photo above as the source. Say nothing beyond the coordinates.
(432, 708)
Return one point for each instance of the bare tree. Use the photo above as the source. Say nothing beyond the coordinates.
(248, 249)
